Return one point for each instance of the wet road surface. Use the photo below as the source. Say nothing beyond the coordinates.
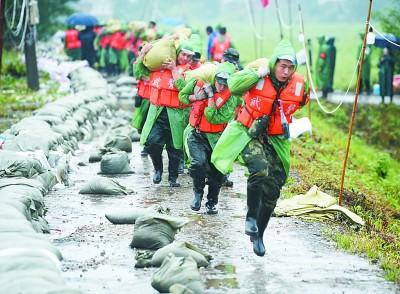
(98, 259)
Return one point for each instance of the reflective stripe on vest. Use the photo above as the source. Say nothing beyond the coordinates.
(259, 100)
(198, 120)
(72, 39)
(162, 88)
(219, 47)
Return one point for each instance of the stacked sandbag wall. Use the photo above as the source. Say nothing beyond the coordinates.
(35, 157)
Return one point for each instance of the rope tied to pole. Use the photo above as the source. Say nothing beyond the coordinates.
(383, 36)
(309, 70)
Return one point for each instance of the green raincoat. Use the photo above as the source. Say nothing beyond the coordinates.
(322, 66)
(235, 137)
(213, 115)
(176, 116)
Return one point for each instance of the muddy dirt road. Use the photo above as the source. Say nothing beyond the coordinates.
(98, 259)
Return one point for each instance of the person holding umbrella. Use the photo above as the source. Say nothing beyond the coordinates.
(87, 36)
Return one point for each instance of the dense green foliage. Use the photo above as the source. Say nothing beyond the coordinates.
(50, 15)
(16, 99)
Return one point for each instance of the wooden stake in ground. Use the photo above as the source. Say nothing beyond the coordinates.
(353, 114)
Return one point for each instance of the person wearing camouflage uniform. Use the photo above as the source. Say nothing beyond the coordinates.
(260, 134)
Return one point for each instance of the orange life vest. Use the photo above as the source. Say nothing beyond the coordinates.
(162, 88)
(105, 41)
(198, 120)
(263, 99)
(118, 41)
(72, 39)
(143, 89)
(219, 47)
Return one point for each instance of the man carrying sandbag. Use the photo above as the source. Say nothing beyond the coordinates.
(164, 124)
(212, 108)
(260, 134)
(142, 103)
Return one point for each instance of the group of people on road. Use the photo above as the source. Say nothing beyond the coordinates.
(112, 47)
(210, 122)
(325, 68)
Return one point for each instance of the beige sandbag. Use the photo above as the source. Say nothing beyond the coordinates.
(181, 249)
(256, 64)
(161, 51)
(177, 270)
(183, 31)
(206, 73)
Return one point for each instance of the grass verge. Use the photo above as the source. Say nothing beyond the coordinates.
(372, 185)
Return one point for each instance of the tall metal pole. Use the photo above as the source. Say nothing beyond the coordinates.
(290, 21)
(2, 25)
(279, 19)
(353, 114)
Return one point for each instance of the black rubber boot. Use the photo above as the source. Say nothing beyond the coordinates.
(173, 182)
(212, 197)
(157, 177)
(181, 167)
(226, 182)
(250, 226)
(264, 214)
(144, 152)
(196, 202)
(211, 208)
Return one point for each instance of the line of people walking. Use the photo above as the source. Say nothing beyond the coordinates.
(212, 118)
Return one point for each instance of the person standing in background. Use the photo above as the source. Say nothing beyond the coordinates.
(386, 67)
(72, 43)
(211, 36)
(365, 84)
(87, 37)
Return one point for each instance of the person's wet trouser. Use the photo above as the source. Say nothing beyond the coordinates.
(159, 136)
(201, 167)
(365, 85)
(266, 179)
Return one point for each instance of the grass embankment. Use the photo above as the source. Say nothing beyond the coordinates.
(372, 182)
(16, 99)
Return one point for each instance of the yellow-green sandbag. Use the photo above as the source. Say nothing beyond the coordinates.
(205, 73)
(256, 64)
(161, 51)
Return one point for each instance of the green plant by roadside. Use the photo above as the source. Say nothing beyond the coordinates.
(372, 185)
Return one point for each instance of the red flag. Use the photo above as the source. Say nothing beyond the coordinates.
(264, 3)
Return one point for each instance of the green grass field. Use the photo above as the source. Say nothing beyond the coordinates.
(347, 40)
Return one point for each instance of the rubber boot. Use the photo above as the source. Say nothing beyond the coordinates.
(226, 182)
(212, 198)
(253, 202)
(157, 177)
(173, 182)
(250, 226)
(263, 217)
(144, 152)
(196, 202)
